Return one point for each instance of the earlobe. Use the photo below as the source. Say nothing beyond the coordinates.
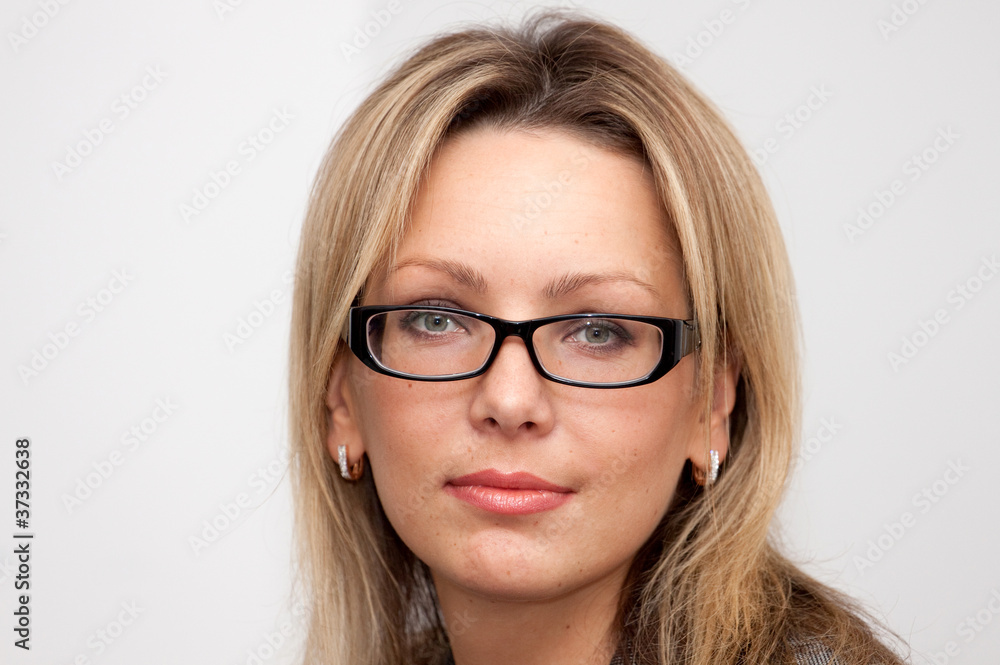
(723, 402)
(342, 426)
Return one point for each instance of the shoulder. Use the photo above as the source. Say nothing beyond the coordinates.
(812, 652)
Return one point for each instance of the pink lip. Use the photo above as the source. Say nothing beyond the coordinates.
(517, 493)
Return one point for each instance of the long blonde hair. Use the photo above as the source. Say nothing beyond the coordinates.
(708, 588)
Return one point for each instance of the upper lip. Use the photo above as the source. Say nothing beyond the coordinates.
(518, 480)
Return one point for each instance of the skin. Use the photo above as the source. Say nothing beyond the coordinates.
(538, 588)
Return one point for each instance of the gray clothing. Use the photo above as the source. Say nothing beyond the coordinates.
(806, 653)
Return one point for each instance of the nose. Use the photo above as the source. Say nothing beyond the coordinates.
(512, 398)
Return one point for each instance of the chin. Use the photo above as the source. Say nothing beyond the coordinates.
(507, 566)
(506, 584)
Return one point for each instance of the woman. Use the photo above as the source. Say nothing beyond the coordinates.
(541, 290)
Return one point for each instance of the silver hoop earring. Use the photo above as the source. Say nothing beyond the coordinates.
(355, 470)
(706, 479)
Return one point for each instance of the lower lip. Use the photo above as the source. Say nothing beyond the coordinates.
(508, 501)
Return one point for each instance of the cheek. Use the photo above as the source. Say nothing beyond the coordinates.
(648, 466)
(637, 447)
(410, 434)
(646, 426)
(627, 502)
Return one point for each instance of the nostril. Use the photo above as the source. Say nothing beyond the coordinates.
(527, 425)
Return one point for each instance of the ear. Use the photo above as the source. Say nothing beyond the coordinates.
(723, 401)
(342, 415)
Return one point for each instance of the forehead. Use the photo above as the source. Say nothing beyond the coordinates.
(536, 173)
(524, 209)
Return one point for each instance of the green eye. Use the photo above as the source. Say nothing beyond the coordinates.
(597, 334)
(600, 333)
(435, 322)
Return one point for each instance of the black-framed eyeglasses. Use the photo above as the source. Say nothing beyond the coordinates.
(588, 350)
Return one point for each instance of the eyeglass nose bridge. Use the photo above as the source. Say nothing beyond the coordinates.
(521, 329)
(505, 329)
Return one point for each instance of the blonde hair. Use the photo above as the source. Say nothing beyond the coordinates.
(709, 587)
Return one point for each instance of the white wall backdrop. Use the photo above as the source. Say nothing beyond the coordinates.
(156, 159)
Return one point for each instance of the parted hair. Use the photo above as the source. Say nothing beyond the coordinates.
(710, 586)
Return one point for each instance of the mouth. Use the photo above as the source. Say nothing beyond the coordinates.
(518, 493)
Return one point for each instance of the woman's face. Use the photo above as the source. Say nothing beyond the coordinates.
(522, 226)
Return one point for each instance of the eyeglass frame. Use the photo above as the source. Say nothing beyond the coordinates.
(682, 332)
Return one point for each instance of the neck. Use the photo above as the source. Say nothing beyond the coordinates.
(573, 629)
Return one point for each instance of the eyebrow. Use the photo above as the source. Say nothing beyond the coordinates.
(463, 274)
(571, 282)
(557, 288)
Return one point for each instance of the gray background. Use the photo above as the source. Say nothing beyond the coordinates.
(873, 507)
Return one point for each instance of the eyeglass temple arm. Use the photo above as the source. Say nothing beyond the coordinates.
(690, 339)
